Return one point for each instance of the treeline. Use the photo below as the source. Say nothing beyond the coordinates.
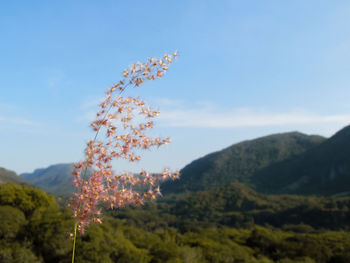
(33, 228)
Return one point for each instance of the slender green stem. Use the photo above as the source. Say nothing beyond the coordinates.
(74, 241)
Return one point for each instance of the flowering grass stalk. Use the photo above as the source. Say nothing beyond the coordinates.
(123, 136)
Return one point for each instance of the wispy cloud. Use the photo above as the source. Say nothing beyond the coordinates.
(209, 117)
(18, 121)
(88, 109)
(87, 116)
(167, 102)
(175, 113)
(91, 103)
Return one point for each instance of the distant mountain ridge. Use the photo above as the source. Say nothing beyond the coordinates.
(285, 163)
(56, 179)
(7, 176)
(239, 162)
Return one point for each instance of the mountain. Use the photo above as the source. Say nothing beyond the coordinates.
(7, 176)
(239, 162)
(291, 163)
(55, 179)
(322, 170)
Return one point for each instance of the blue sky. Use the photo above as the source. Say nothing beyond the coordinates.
(246, 69)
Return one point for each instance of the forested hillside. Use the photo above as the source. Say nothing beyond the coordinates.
(239, 162)
(290, 163)
(322, 170)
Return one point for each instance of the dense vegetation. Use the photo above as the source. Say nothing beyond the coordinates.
(34, 229)
(237, 205)
(32, 226)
